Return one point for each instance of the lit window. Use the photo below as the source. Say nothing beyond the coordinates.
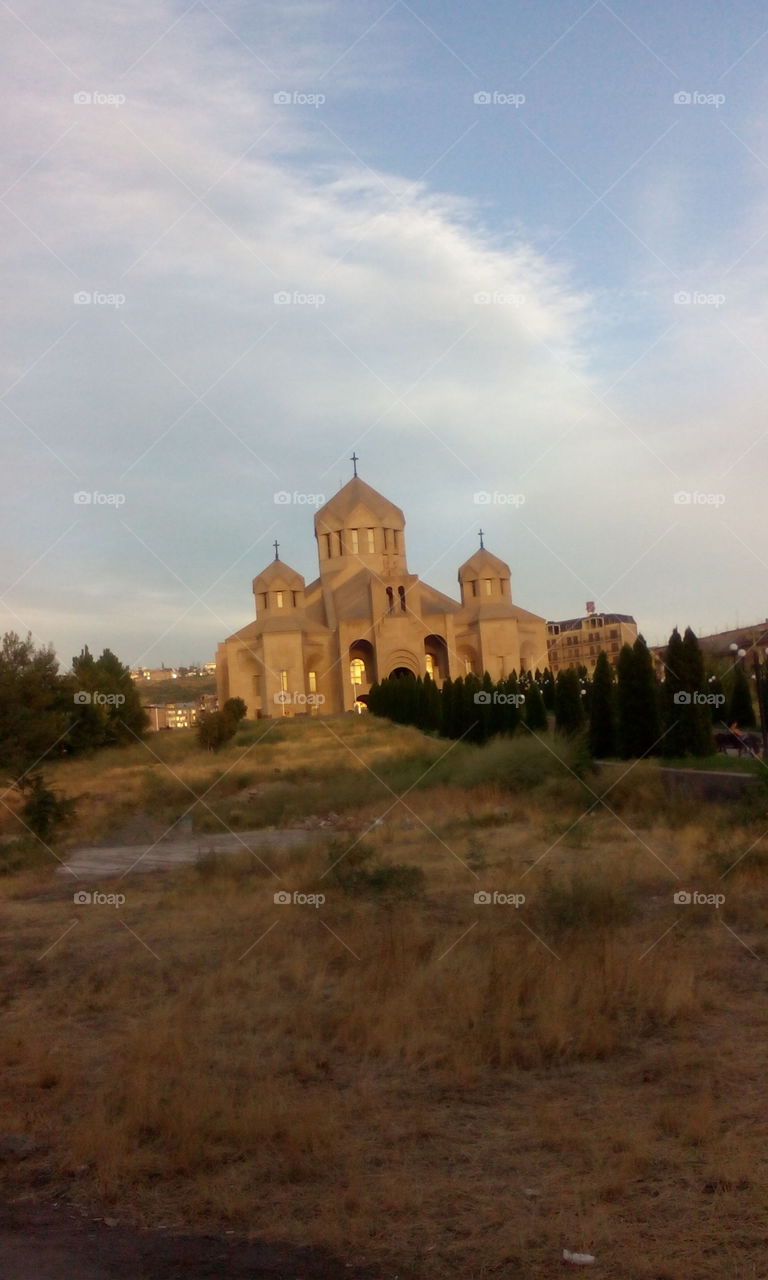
(468, 665)
(371, 540)
(429, 663)
(312, 681)
(353, 547)
(357, 671)
(489, 586)
(284, 681)
(395, 542)
(279, 599)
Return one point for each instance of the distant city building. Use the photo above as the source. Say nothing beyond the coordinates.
(754, 636)
(172, 715)
(577, 642)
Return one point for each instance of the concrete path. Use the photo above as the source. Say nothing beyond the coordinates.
(103, 861)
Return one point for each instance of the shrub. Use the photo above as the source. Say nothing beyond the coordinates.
(360, 873)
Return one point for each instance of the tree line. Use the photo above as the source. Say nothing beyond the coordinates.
(626, 711)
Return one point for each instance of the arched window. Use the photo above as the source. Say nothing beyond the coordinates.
(353, 542)
(401, 593)
(390, 600)
(357, 671)
(371, 541)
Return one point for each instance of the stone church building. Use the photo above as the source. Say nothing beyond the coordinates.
(365, 617)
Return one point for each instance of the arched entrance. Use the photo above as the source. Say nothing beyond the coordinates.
(436, 657)
(401, 673)
(362, 671)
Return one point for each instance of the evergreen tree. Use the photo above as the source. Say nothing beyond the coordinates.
(569, 711)
(686, 714)
(33, 713)
(637, 702)
(740, 708)
(602, 716)
(535, 711)
(510, 717)
(548, 689)
(719, 701)
(697, 717)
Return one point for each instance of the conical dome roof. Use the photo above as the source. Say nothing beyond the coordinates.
(483, 564)
(276, 571)
(356, 493)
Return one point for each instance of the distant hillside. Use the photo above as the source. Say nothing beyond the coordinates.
(181, 690)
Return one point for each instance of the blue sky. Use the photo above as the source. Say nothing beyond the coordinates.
(557, 293)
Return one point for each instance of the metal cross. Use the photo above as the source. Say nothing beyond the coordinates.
(354, 460)
(276, 544)
(482, 547)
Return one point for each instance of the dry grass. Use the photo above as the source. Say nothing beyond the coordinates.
(458, 1088)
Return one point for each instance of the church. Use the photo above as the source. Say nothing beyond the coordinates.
(319, 648)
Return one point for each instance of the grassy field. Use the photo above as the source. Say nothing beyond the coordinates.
(458, 1087)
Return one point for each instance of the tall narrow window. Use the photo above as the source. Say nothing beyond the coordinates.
(279, 598)
(467, 666)
(371, 541)
(294, 598)
(357, 671)
(386, 539)
(312, 681)
(488, 586)
(473, 585)
(401, 593)
(353, 542)
(395, 540)
(284, 681)
(264, 600)
(339, 548)
(429, 663)
(390, 600)
(326, 544)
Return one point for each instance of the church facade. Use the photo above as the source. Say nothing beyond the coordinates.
(319, 648)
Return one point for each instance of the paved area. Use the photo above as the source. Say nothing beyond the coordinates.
(104, 861)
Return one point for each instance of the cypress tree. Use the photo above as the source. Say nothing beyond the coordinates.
(648, 722)
(602, 718)
(548, 689)
(740, 708)
(569, 711)
(535, 711)
(698, 720)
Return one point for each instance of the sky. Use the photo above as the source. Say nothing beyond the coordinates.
(513, 255)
